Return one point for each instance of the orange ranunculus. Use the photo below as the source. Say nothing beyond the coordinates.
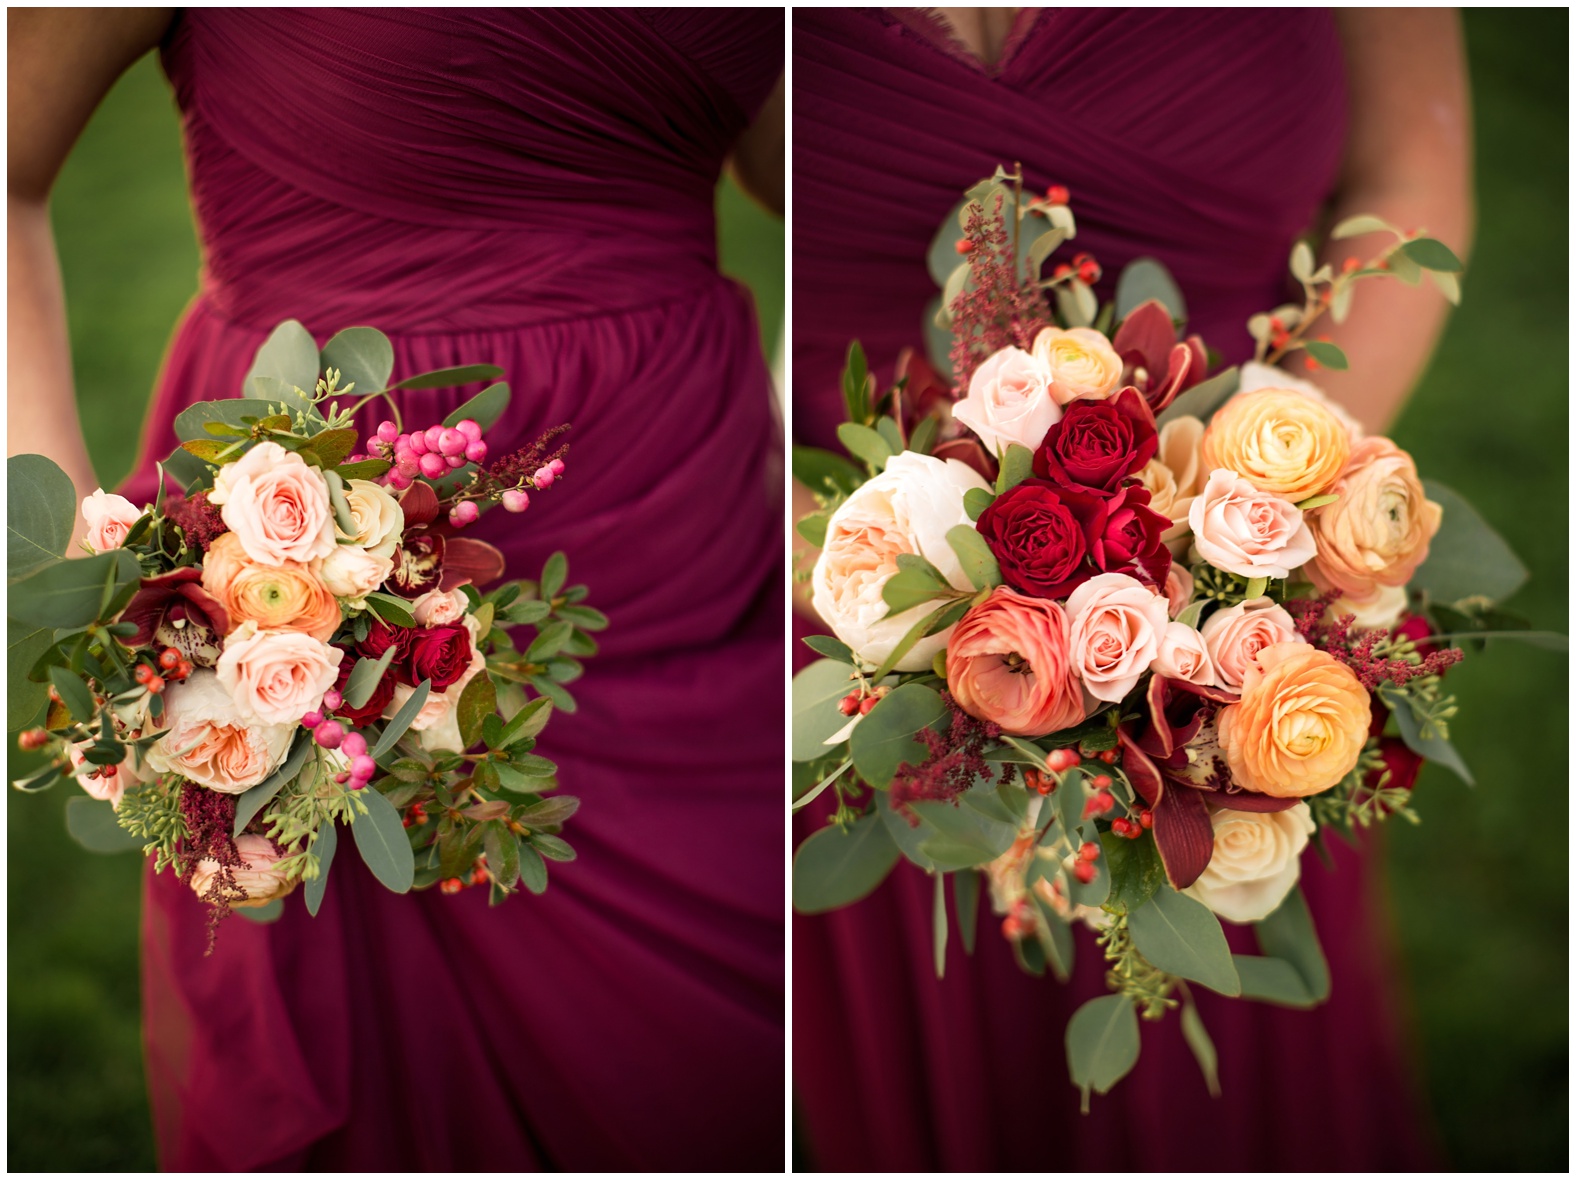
(1008, 662)
(1377, 533)
(277, 597)
(1278, 440)
(1300, 725)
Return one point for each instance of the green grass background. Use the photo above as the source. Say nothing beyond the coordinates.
(1479, 891)
(76, 1097)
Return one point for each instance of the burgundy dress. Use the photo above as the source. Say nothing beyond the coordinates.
(532, 188)
(1207, 138)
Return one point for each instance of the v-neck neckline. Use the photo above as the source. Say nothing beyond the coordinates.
(940, 35)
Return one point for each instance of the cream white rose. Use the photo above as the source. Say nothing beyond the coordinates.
(1240, 529)
(378, 518)
(1081, 363)
(1183, 656)
(1009, 401)
(209, 742)
(1117, 625)
(349, 572)
(1254, 863)
(1383, 610)
(1174, 477)
(276, 677)
(109, 518)
(1235, 635)
(908, 508)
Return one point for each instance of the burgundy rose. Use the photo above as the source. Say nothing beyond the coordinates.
(381, 637)
(439, 654)
(1098, 444)
(1121, 533)
(382, 696)
(1037, 540)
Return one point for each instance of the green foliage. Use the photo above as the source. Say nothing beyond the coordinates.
(814, 716)
(40, 511)
(1102, 1044)
(363, 357)
(1144, 279)
(380, 838)
(884, 739)
(484, 409)
(1466, 557)
(1181, 937)
(835, 867)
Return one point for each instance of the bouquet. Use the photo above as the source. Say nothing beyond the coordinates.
(301, 638)
(1115, 638)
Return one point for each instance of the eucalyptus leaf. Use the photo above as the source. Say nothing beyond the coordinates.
(484, 409)
(815, 692)
(974, 555)
(1144, 279)
(1181, 936)
(255, 799)
(400, 723)
(91, 823)
(1202, 400)
(1198, 1040)
(25, 646)
(71, 593)
(327, 842)
(263, 914)
(834, 868)
(1102, 1044)
(380, 838)
(1466, 557)
(363, 357)
(1017, 464)
(865, 443)
(449, 379)
(966, 900)
(364, 677)
(885, 739)
(41, 505)
(938, 924)
(287, 360)
(1431, 746)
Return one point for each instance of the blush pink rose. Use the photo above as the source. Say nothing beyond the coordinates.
(1235, 636)
(1117, 624)
(276, 506)
(1009, 401)
(109, 517)
(437, 723)
(1008, 662)
(276, 677)
(260, 880)
(1178, 589)
(210, 744)
(438, 608)
(1244, 531)
(349, 572)
(1183, 656)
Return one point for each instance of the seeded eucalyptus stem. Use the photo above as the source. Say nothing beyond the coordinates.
(1133, 976)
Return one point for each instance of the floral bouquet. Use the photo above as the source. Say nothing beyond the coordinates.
(1117, 639)
(299, 640)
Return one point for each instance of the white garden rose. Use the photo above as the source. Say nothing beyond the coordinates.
(349, 572)
(1254, 863)
(1384, 609)
(908, 508)
(378, 518)
(1009, 401)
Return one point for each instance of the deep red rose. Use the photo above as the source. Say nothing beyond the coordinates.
(381, 637)
(1098, 444)
(1122, 533)
(382, 696)
(1038, 541)
(439, 654)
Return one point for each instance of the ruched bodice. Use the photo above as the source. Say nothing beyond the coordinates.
(532, 188)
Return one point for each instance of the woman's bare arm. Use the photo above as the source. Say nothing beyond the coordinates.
(61, 62)
(759, 162)
(1409, 161)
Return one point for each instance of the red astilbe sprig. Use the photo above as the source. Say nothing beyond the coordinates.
(953, 763)
(995, 310)
(210, 817)
(1357, 652)
(198, 520)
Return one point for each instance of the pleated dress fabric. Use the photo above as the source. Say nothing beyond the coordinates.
(532, 188)
(1207, 138)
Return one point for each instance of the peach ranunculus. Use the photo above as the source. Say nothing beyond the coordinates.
(208, 741)
(1254, 861)
(109, 518)
(1117, 624)
(276, 676)
(353, 573)
(1080, 361)
(378, 518)
(1243, 530)
(276, 505)
(1178, 589)
(285, 597)
(1007, 662)
(1377, 533)
(260, 880)
(1174, 476)
(1280, 441)
(1256, 375)
(1300, 725)
(1183, 656)
(1009, 401)
(908, 508)
(1235, 635)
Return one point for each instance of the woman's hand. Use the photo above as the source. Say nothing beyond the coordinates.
(759, 163)
(1409, 161)
(61, 62)
(803, 552)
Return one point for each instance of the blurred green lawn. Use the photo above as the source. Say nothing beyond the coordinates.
(76, 1098)
(1479, 890)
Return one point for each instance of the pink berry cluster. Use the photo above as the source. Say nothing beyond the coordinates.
(332, 735)
(517, 500)
(431, 452)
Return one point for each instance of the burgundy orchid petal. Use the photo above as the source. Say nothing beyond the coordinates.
(1250, 801)
(1145, 337)
(1141, 772)
(465, 559)
(968, 450)
(147, 609)
(419, 504)
(1184, 835)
